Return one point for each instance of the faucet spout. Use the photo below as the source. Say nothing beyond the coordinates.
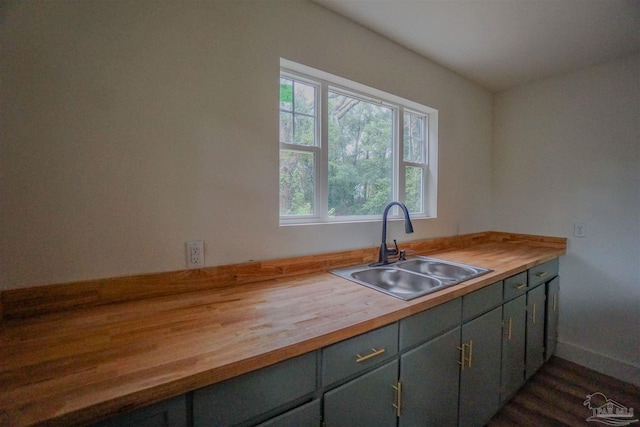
(383, 257)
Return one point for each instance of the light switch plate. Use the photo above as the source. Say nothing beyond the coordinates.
(579, 229)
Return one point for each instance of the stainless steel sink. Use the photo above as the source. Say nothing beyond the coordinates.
(437, 268)
(396, 282)
(411, 278)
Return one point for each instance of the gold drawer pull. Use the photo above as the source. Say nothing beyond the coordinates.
(541, 274)
(466, 359)
(520, 286)
(373, 353)
(398, 403)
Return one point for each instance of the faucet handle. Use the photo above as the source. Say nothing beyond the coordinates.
(393, 251)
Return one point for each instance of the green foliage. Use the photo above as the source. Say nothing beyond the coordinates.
(296, 183)
(360, 148)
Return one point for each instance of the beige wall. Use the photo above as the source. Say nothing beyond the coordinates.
(131, 127)
(567, 150)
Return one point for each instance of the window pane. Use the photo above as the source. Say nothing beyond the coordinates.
(304, 98)
(413, 137)
(360, 154)
(286, 94)
(296, 183)
(297, 112)
(413, 189)
(286, 127)
(305, 130)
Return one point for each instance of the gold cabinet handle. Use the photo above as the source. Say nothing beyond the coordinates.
(509, 328)
(462, 358)
(520, 286)
(541, 274)
(466, 358)
(398, 403)
(533, 314)
(373, 353)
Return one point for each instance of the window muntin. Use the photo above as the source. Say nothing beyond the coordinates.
(346, 150)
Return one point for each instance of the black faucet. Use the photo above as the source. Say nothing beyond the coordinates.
(383, 258)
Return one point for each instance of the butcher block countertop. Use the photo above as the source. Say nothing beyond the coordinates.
(73, 354)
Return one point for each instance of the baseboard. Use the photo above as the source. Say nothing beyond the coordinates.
(599, 362)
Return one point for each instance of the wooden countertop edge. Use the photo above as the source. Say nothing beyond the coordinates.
(45, 299)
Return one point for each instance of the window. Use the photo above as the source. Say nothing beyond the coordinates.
(346, 150)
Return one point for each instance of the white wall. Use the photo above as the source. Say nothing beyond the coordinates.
(567, 150)
(130, 127)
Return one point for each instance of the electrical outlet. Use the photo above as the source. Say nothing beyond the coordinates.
(195, 254)
(579, 229)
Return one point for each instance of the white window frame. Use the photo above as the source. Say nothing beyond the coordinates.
(326, 82)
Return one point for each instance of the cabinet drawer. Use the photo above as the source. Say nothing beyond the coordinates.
(515, 285)
(304, 416)
(424, 326)
(356, 354)
(168, 413)
(543, 272)
(481, 301)
(242, 398)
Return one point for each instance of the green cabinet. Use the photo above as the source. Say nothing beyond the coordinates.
(551, 324)
(369, 400)
(480, 368)
(429, 377)
(514, 318)
(530, 324)
(239, 400)
(535, 330)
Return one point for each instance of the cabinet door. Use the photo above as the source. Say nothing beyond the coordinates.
(169, 413)
(514, 320)
(551, 325)
(304, 416)
(480, 371)
(535, 329)
(365, 401)
(429, 375)
(242, 398)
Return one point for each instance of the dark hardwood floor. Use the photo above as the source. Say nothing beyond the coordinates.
(555, 396)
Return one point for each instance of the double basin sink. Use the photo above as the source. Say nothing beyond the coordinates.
(411, 278)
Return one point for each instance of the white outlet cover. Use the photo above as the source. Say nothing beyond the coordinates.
(195, 253)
